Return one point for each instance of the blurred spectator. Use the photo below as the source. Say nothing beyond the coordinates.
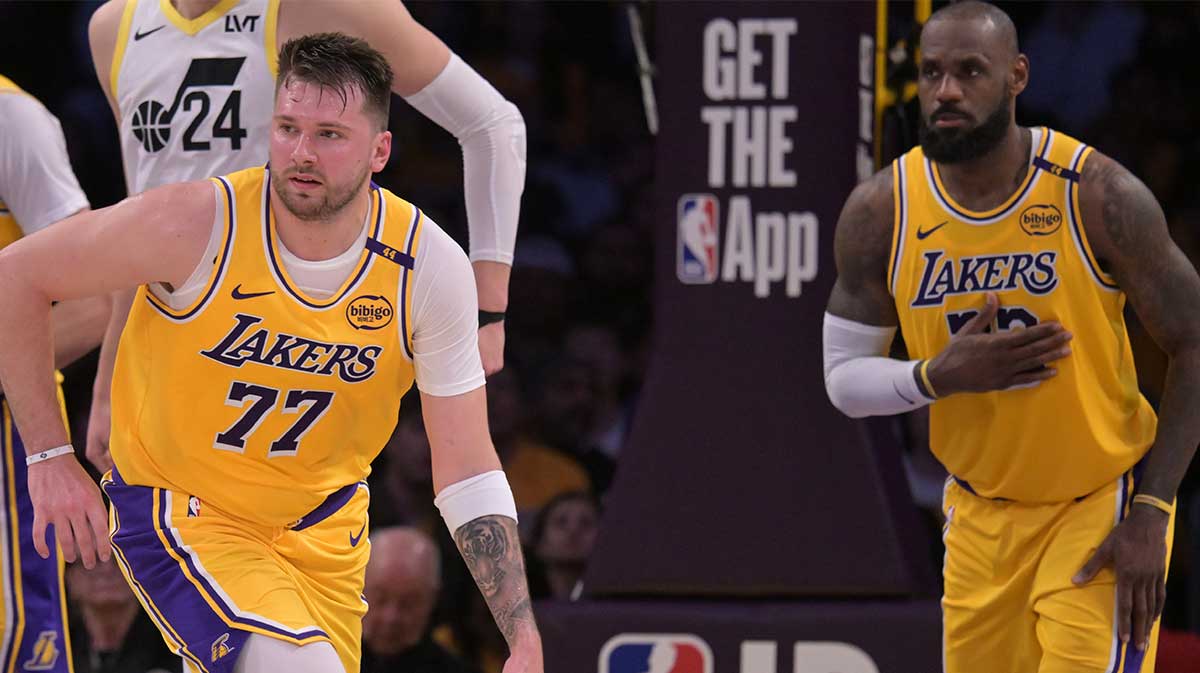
(402, 583)
(599, 348)
(615, 270)
(110, 633)
(540, 298)
(537, 473)
(561, 544)
(403, 480)
(567, 406)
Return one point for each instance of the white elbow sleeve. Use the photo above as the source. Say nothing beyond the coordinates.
(491, 132)
(484, 494)
(859, 377)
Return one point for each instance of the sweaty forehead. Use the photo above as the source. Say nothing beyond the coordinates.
(300, 98)
(958, 38)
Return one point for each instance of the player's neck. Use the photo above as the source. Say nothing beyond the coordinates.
(987, 181)
(318, 240)
(190, 9)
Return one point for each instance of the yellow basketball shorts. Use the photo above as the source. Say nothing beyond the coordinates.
(209, 581)
(1009, 604)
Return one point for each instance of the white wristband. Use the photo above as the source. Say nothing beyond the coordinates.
(485, 494)
(49, 453)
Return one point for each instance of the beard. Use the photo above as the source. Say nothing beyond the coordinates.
(955, 145)
(310, 208)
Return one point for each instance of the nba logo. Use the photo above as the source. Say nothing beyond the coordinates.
(193, 506)
(696, 262)
(656, 653)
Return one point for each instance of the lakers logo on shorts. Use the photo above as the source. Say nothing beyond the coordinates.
(45, 652)
(220, 648)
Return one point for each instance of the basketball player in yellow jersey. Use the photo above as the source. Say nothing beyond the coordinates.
(281, 315)
(191, 81)
(1005, 255)
(37, 188)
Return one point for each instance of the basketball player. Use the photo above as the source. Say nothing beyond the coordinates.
(37, 188)
(281, 315)
(1005, 255)
(190, 82)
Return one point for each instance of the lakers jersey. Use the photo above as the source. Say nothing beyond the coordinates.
(195, 96)
(259, 399)
(1078, 430)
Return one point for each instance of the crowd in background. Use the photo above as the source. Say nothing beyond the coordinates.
(1116, 75)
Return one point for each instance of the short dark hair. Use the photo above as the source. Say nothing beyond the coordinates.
(338, 62)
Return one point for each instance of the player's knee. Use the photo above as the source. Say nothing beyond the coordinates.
(263, 654)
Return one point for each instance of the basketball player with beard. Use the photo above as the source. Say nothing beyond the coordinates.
(1005, 255)
(248, 404)
(191, 83)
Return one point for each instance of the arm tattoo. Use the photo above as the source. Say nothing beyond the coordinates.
(1131, 236)
(492, 550)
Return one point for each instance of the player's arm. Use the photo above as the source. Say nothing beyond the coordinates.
(1128, 233)
(445, 89)
(103, 30)
(157, 236)
(473, 494)
(860, 319)
(40, 188)
(102, 38)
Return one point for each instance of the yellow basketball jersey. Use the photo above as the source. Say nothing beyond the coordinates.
(259, 399)
(1080, 429)
(10, 230)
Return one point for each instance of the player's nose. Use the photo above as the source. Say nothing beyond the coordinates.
(948, 90)
(302, 151)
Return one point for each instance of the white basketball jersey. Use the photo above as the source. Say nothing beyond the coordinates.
(195, 96)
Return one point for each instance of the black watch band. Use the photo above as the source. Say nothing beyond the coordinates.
(489, 317)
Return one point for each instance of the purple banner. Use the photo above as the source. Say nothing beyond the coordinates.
(764, 637)
(740, 478)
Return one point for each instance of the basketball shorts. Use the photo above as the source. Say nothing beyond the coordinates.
(208, 580)
(1009, 603)
(33, 626)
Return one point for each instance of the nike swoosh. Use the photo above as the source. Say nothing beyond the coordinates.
(922, 235)
(897, 389)
(355, 538)
(238, 294)
(137, 35)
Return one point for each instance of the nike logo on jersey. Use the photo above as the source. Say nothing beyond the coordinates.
(137, 35)
(355, 538)
(238, 294)
(923, 234)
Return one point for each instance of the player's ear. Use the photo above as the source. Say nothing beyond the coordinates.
(381, 151)
(1018, 77)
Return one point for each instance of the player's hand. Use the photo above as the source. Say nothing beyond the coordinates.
(98, 428)
(526, 657)
(64, 495)
(491, 347)
(1137, 551)
(978, 361)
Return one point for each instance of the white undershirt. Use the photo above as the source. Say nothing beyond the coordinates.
(36, 182)
(444, 311)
